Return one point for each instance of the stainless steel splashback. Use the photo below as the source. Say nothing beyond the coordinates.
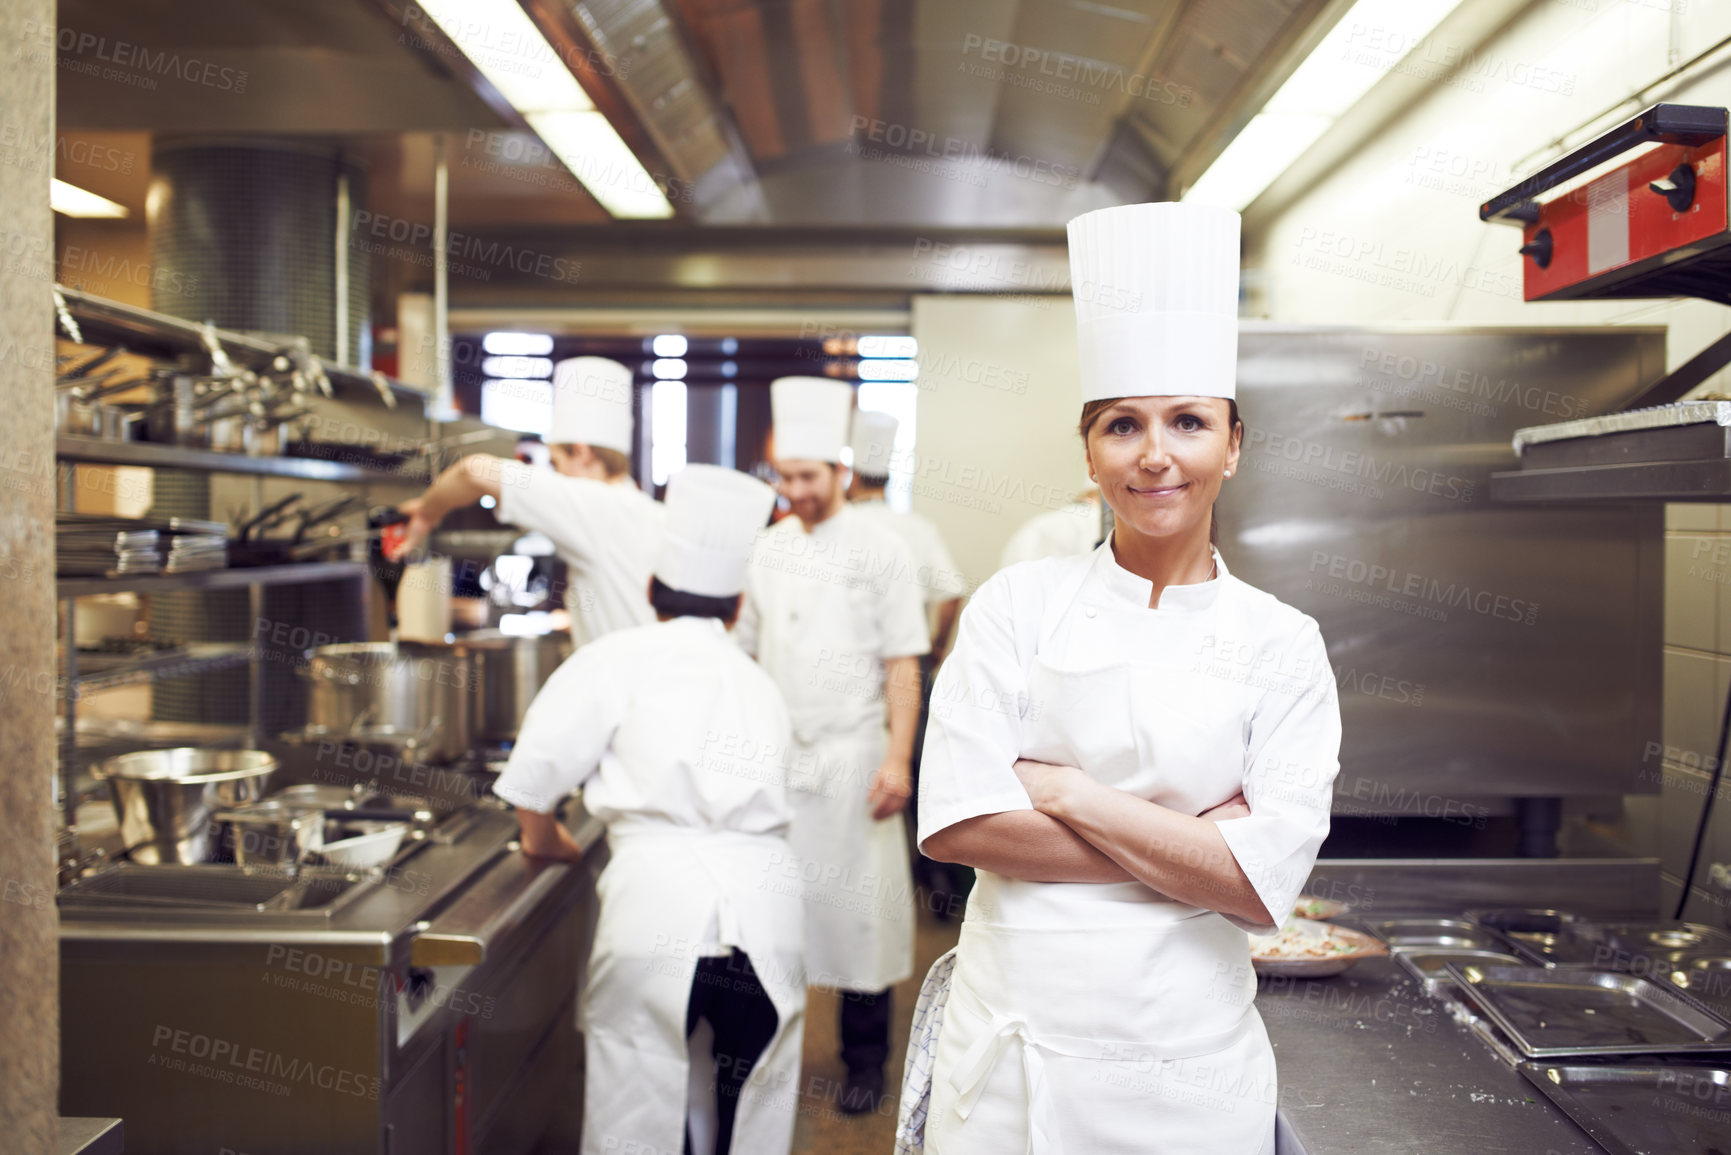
(1481, 650)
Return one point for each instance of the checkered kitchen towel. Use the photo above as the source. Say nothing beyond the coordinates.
(922, 1051)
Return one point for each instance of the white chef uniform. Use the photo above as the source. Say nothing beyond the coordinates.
(935, 571)
(1107, 1017)
(1056, 533)
(606, 532)
(823, 611)
(679, 742)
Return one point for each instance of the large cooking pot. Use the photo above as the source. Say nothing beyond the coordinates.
(419, 694)
(165, 799)
(509, 672)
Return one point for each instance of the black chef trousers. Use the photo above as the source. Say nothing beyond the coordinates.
(865, 1029)
(728, 993)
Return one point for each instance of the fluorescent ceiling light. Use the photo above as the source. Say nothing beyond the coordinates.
(669, 345)
(503, 43)
(525, 406)
(1369, 41)
(888, 370)
(596, 156)
(517, 366)
(520, 344)
(668, 369)
(888, 347)
(72, 201)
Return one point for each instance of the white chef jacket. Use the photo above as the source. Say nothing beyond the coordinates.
(1058, 533)
(1233, 689)
(824, 610)
(680, 742)
(607, 533)
(934, 569)
(667, 724)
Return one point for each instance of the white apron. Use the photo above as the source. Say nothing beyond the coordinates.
(669, 895)
(853, 869)
(1097, 1018)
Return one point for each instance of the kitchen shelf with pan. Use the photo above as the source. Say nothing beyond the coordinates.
(145, 331)
(232, 578)
(176, 662)
(100, 451)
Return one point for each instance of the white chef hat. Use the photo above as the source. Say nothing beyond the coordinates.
(713, 518)
(811, 417)
(874, 437)
(1156, 289)
(592, 404)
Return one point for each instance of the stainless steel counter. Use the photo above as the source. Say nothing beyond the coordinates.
(1369, 1063)
(276, 1034)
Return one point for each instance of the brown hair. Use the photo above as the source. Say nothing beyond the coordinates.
(613, 462)
(1091, 411)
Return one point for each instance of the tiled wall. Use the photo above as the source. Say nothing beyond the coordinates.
(1697, 675)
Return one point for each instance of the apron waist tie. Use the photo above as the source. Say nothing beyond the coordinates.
(969, 1078)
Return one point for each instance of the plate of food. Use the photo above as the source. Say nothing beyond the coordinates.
(1305, 948)
(1321, 909)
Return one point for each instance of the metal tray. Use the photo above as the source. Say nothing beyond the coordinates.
(1639, 1109)
(1426, 964)
(1402, 934)
(1554, 1012)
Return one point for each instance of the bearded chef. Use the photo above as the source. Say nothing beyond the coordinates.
(602, 526)
(1159, 781)
(696, 986)
(835, 615)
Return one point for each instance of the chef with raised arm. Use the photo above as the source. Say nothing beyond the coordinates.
(834, 614)
(604, 528)
(696, 985)
(1135, 750)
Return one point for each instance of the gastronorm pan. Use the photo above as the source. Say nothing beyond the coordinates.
(1553, 1012)
(1636, 1109)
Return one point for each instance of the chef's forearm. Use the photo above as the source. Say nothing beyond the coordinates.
(902, 693)
(1024, 844)
(1180, 855)
(544, 836)
(463, 484)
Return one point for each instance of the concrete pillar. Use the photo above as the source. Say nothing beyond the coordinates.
(29, 956)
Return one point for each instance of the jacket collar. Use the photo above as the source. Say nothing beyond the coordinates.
(1134, 588)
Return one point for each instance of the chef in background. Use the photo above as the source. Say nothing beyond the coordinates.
(1076, 528)
(696, 985)
(833, 612)
(873, 443)
(940, 582)
(603, 527)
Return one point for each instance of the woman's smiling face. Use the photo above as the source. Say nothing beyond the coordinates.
(1159, 461)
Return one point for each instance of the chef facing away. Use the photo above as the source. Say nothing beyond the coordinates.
(1135, 750)
(695, 994)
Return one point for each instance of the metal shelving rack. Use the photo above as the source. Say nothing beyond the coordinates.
(95, 451)
(91, 318)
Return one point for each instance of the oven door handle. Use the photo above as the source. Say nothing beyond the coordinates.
(493, 906)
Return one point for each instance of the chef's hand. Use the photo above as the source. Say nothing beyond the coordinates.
(416, 530)
(890, 787)
(1043, 781)
(1233, 807)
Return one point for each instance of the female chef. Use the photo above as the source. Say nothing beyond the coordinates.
(696, 984)
(1091, 736)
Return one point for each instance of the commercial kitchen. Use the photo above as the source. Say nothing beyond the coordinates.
(303, 301)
